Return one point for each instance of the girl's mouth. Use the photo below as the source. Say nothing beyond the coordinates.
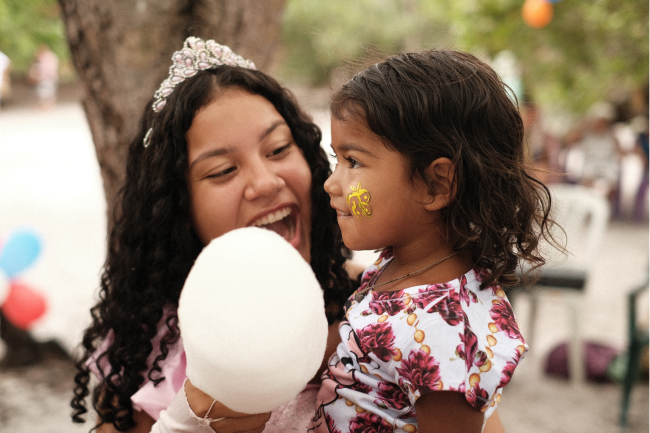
(282, 222)
(342, 214)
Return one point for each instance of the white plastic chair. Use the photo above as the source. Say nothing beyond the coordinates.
(583, 213)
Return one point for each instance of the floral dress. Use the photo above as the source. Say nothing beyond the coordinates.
(397, 346)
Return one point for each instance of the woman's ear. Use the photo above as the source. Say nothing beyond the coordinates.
(440, 175)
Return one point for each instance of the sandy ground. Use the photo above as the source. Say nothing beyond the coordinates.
(49, 182)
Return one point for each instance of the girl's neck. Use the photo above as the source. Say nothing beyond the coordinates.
(417, 255)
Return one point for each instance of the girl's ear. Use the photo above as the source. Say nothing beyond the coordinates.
(440, 174)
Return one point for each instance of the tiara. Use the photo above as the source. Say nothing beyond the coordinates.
(196, 55)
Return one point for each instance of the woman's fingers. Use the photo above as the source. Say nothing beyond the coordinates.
(234, 422)
(243, 423)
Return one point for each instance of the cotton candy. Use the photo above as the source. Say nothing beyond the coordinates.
(252, 320)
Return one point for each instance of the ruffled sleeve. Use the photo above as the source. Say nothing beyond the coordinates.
(468, 342)
(151, 398)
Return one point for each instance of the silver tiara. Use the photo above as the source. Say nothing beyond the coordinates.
(196, 55)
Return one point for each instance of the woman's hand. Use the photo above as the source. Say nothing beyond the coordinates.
(234, 422)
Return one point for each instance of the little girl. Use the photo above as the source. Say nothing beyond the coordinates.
(430, 169)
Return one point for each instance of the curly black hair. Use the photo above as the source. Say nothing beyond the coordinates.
(152, 246)
(443, 103)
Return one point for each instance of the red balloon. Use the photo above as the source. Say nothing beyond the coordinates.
(23, 305)
(537, 13)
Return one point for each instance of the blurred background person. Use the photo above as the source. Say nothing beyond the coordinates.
(595, 154)
(543, 147)
(640, 126)
(44, 75)
(5, 82)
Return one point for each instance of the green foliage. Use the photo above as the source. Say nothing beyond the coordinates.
(590, 50)
(319, 36)
(24, 25)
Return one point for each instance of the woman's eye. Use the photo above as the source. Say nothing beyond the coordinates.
(223, 172)
(279, 150)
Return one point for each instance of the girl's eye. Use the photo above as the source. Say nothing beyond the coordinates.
(279, 150)
(353, 163)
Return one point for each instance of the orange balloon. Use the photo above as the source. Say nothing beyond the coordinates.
(23, 305)
(537, 13)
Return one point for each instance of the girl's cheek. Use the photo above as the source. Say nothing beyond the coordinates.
(359, 201)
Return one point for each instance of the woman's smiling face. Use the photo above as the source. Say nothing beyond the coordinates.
(245, 169)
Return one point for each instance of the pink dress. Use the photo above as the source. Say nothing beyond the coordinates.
(293, 416)
(397, 346)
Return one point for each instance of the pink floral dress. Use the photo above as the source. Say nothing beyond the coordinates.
(397, 346)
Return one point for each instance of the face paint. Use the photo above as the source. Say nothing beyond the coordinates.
(359, 201)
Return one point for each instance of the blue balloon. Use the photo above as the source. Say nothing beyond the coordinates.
(19, 252)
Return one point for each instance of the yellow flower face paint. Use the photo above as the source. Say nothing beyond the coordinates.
(359, 201)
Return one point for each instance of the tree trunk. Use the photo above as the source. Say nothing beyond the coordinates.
(122, 50)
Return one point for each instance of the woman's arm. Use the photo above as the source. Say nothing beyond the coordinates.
(143, 423)
(447, 412)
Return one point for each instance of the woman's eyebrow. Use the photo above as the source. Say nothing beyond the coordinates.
(226, 150)
(271, 128)
(211, 153)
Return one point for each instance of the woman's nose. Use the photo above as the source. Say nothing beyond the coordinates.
(263, 182)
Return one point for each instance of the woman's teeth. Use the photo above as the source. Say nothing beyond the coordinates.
(272, 217)
(285, 227)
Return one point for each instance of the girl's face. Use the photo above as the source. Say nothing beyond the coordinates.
(245, 169)
(377, 203)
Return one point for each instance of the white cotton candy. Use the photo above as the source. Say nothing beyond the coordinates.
(252, 320)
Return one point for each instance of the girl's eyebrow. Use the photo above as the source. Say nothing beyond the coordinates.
(354, 147)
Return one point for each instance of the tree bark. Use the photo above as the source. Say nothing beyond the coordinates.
(122, 50)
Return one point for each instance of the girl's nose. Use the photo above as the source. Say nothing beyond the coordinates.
(332, 187)
(263, 182)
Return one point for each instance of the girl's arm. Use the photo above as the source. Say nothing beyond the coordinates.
(447, 412)
(493, 424)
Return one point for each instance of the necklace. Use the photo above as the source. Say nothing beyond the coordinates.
(362, 293)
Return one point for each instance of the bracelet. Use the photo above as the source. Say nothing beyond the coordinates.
(205, 421)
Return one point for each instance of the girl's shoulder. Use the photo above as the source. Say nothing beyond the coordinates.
(384, 257)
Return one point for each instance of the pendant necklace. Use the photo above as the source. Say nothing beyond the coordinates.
(362, 293)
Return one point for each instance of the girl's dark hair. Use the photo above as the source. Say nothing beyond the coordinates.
(152, 247)
(442, 103)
